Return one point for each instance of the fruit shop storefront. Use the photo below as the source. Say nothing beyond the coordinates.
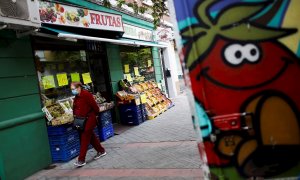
(65, 49)
(79, 44)
(73, 45)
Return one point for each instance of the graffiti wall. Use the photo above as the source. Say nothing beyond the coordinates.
(244, 69)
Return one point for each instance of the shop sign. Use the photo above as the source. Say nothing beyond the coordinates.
(134, 32)
(164, 34)
(54, 13)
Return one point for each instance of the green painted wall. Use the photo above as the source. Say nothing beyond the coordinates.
(115, 70)
(159, 77)
(24, 147)
(157, 64)
(115, 65)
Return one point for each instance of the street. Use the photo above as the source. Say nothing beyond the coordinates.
(163, 148)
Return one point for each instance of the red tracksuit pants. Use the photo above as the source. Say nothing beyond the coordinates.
(88, 137)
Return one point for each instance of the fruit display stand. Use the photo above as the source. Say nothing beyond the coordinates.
(63, 139)
(59, 113)
(130, 108)
(155, 101)
(146, 95)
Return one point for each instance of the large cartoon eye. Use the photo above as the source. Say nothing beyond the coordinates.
(251, 52)
(234, 54)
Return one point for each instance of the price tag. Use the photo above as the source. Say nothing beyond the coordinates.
(143, 98)
(159, 86)
(48, 82)
(62, 79)
(149, 63)
(86, 78)
(136, 71)
(75, 77)
(126, 68)
(128, 77)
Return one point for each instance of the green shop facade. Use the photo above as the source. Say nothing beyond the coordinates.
(105, 54)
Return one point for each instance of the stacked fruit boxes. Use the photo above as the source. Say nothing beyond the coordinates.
(64, 142)
(131, 114)
(156, 101)
(105, 126)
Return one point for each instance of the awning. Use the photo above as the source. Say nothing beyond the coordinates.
(114, 41)
(69, 35)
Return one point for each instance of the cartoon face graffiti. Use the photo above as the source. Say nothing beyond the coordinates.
(236, 66)
(235, 58)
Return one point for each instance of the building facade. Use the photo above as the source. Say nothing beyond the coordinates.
(37, 65)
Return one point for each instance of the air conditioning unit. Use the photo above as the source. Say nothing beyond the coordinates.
(20, 14)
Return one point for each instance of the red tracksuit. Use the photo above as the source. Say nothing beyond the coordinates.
(86, 106)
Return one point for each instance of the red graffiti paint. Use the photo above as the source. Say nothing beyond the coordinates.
(227, 86)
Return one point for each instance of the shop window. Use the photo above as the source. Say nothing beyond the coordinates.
(138, 63)
(57, 69)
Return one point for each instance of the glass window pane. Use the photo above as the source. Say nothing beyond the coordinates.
(54, 70)
(140, 57)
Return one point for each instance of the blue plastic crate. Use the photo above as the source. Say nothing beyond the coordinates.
(64, 152)
(64, 139)
(106, 132)
(133, 119)
(60, 130)
(105, 119)
(131, 114)
(144, 112)
(96, 130)
(132, 107)
(105, 114)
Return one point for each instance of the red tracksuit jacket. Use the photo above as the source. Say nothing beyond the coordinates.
(85, 106)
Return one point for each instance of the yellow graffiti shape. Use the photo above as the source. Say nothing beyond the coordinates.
(291, 20)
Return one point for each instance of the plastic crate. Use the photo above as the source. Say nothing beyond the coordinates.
(64, 152)
(106, 132)
(132, 119)
(105, 119)
(64, 139)
(131, 114)
(60, 130)
(144, 112)
(105, 114)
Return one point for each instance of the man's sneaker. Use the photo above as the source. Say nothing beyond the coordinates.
(79, 163)
(99, 155)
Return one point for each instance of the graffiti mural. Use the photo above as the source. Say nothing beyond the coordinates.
(244, 73)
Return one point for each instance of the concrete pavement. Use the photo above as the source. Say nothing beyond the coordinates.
(163, 148)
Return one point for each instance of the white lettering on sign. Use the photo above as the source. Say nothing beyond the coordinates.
(134, 32)
(54, 13)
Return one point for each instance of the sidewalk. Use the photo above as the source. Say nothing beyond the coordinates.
(163, 148)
